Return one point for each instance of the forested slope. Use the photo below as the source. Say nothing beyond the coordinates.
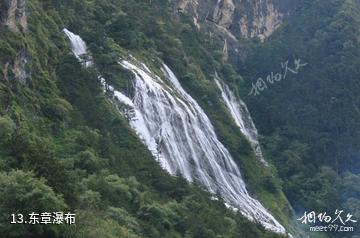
(310, 120)
(65, 147)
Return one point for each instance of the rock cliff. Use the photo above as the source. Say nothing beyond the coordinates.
(242, 18)
(13, 14)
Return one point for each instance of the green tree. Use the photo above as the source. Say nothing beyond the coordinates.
(22, 193)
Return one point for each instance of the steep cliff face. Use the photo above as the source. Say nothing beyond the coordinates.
(224, 13)
(242, 18)
(16, 69)
(257, 18)
(13, 16)
(13, 13)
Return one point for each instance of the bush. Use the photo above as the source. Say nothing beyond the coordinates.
(22, 193)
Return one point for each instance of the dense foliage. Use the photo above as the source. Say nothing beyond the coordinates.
(310, 120)
(64, 146)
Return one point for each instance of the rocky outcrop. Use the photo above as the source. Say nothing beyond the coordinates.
(183, 4)
(225, 53)
(224, 13)
(19, 68)
(13, 14)
(6, 71)
(258, 19)
(16, 70)
(242, 18)
(199, 9)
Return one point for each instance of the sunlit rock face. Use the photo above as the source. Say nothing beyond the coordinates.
(13, 14)
(224, 13)
(258, 18)
(242, 18)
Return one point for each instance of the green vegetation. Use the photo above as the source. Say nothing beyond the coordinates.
(310, 121)
(64, 146)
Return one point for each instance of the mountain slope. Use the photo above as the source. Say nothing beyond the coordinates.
(65, 147)
(310, 120)
(241, 18)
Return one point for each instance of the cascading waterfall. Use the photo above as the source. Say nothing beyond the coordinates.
(181, 137)
(241, 116)
(79, 48)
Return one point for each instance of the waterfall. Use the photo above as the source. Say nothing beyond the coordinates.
(79, 48)
(241, 116)
(181, 137)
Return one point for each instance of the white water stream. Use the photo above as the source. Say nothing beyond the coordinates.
(181, 137)
(241, 116)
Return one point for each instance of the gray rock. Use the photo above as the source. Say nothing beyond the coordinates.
(13, 13)
(241, 18)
